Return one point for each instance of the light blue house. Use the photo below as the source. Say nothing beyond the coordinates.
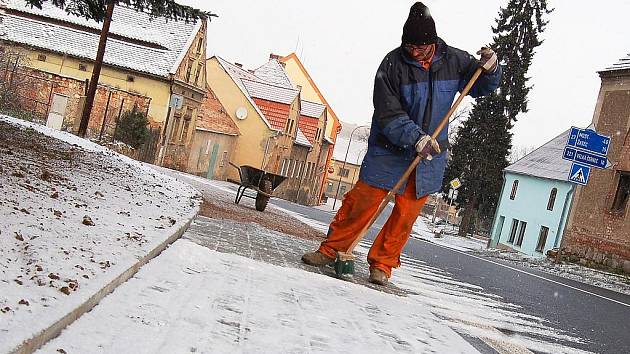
(535, 201)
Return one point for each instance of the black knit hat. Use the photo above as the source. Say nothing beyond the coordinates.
(419, 28)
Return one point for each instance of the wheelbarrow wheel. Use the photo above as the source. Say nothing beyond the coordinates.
(261, 199)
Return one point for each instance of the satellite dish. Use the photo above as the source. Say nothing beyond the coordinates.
(241, 113)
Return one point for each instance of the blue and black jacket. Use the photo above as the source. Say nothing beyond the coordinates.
(403, 113)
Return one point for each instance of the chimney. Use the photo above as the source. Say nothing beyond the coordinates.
(239, 65)
(274, 56)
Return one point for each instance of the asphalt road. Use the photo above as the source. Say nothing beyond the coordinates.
(600, 316)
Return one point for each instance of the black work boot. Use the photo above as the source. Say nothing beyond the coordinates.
(317, 259)
(378, 277)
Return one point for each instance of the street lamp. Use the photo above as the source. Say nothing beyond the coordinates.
(343, 167)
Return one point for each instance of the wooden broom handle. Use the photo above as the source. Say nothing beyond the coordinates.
(392, 192)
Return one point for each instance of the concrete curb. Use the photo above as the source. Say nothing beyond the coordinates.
(31, 345)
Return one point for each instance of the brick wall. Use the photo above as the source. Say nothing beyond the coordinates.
(38, 88)
(597, 235)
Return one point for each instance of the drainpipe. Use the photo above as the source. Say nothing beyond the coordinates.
(496, 220)
(567, 200)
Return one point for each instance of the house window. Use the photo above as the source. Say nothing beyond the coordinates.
(552, 198)
(622, 194)
(41, 57)
(176, 123)
(199, 45)
(224, 159)
(342, 190)
(283, 169)
(329, 189)
(188, 71)
(198, 73)
(513, 231)
(187, 119)
(131, 78)
(300, 170)
(542, 239)
(82, 67)
(521, 233)
(514, 188)
(343, 172)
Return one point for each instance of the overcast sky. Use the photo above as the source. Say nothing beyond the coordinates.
(342, 43)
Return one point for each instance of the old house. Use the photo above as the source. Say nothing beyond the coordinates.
(535, 201)
(310, 92)
(598, 230)
(214, 140)
(271, 116)
(147, 62)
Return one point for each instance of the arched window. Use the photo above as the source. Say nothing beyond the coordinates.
(552, 198)
(514, 188)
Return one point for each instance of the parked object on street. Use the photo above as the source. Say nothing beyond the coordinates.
(263, 182)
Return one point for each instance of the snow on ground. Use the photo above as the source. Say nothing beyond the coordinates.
(192, 299)
(73, 217)
(449, 239)
(615, 282)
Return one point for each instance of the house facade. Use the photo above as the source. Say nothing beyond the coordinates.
(146, 60)
(310, 92)
(598, 232)
(535, 201)
(214, 140)
(270, 115)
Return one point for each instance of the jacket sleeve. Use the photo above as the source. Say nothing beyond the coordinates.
(487, 82)
(389, 113)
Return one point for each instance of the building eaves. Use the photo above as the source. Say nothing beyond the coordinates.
(235, 73)
(312, 109)
(138, 43)
(300, 139)
(546, 161)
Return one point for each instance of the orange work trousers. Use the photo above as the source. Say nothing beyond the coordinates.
(359, 205)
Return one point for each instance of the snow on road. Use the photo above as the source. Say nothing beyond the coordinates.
(73, 217)
(192, 299)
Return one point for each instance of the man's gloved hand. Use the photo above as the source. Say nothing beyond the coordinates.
(427, 147)
(488, 60)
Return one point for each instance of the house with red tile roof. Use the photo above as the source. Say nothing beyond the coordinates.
(278, 131)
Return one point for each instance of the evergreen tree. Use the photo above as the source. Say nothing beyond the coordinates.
(133, 128)
(482, 144)
(96, 9)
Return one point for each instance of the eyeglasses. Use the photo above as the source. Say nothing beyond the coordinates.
(418, 49)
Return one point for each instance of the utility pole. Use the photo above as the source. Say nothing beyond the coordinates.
(96, 72)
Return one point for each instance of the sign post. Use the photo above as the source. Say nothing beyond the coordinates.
(586, 149)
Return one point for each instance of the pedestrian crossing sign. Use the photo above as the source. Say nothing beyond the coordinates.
(579, 174)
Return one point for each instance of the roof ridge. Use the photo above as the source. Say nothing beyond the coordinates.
(271, 84)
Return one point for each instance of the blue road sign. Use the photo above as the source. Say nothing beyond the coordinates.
(589, 140)
(585, 158)
(579, 174)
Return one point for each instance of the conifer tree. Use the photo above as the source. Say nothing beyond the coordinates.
(483, 142)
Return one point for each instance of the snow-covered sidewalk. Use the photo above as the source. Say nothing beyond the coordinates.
(246, 290)
(192, 299)
(74, 217)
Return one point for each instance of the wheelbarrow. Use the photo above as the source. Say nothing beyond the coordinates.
(264, 183)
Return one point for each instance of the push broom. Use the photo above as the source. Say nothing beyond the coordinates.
(344, 263)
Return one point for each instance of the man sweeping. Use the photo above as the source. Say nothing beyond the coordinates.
(414, 88)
